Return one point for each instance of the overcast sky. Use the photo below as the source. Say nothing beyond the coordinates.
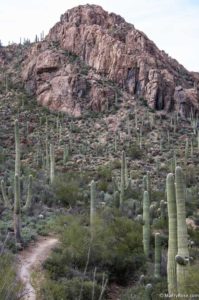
(172, 24)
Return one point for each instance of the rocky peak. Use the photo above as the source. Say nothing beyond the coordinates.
(90, 54)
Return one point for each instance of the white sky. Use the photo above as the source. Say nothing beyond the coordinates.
(172, 24)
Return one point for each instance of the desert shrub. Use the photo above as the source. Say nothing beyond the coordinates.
(194, 235)
(143, 101)
(159, 289)
(70, 290)
(116, 245)
(137, 292)
(67, 189)
(134, 151)
(160, 224)
(192, 281)
(9, 286)
(104, 175)
(116, 164)
(115, 250)
(190, 175)
(28, 235)
(105, 172)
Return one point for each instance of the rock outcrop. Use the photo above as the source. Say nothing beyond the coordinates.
(90, 54)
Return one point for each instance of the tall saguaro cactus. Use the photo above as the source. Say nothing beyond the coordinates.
(146, 224)
(149, 185)
(7, 203)
(157, 255)
(17, 149)
(17, 210)
(28, 204)
(92, 204)
(144, 183)
(122, 185)
(182, 257)
(172, 243)
(52, 164)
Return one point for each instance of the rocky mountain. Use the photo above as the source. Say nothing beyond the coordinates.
(91, 59)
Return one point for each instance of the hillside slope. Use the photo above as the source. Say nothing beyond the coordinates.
(89, 51)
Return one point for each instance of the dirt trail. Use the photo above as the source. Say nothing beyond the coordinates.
(30, 260)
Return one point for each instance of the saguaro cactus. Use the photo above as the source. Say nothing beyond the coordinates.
(65, 154)
(17, 149)
(157, 255)
(144, 183)
(122, 185)
(186, 150)
(148, 292)
(149, 185)
(52, 164)
(17, 210)
(92, 204)
(182, 257)
(5, 197)
(47, 161)
(28, 204)
(163, 206)
(146, 224)
(172, 243)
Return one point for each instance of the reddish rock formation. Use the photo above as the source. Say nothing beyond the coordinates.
(75, 67)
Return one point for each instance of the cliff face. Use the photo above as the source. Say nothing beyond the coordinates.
(90, 54)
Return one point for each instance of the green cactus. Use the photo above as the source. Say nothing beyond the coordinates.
(157, 255)
(47, 160)
(153, 211)
(52, 164)
(65, 154)
(192, 149)
(183, 253)
(198, 141)
(161, 145)
(126, 172)
(92, 204)
(144, 183)
(28, 204)
(116, 199)
(172, 243)
(149, 185)
(173, 164)
(17, 210)
(146, 224)
(163, 209)
(115, 142)
(17, 149)
(186, 150)
(5, 197)
(148, 292)
(122, 185)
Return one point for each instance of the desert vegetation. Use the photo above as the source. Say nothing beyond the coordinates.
(118, 189)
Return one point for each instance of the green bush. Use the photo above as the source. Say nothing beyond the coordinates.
(70, 290)
(134, 151)
(67, 189)
(115, 250)
(137, 292)
(104, 172)
(104, 176)
(9, 286)
(192, 281)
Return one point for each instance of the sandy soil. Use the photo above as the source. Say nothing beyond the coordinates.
(30, 260)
